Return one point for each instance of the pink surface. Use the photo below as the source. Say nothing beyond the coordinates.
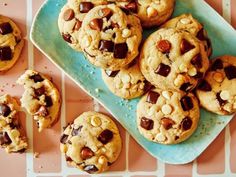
(218, 159)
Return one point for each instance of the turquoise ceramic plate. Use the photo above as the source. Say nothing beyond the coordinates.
(46, 37)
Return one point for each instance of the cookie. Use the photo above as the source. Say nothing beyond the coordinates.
(167, 117)
(12, 136)
(187, 23)
(173, 59)
(91, 143)
(126, 83)
(11, 43)
(150, 12)
(41, 98)
(109, 38)
(217, 92)
(71, 17)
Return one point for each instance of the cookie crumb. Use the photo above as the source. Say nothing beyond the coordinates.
(5, 4)
(36, 155)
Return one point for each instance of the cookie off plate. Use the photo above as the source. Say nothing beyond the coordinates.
(45, 35)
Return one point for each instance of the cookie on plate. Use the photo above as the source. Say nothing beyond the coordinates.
(126, 83)
(109, 38)
(167, 117)
(71, 17)
(173, 59)
(12, 136)
(188, 23)
(41, 98)
(217, 92)
(91, 143)
(11, 43)
(150, 12)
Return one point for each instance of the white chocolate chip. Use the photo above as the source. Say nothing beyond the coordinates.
(102, 159)
(95, 121)
(185, 21)
(183, 68)
(166, 109)
(228, 107)
(125, 78)
(151, 12)
(179, 81)
(224, 94)
(15, 133)
(2, 123)
(192, 72)
(126, 33)
(218, 77)
(103, 150)
(152, 111)
(160, 138)
(166, 94)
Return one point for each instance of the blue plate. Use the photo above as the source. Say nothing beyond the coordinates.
(45, 36)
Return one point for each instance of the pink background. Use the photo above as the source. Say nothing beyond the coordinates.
(219, 159)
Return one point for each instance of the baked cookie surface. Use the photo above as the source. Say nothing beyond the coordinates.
(173, 59)
(12, 136)
(109, 38)
(11, 43)
(41, 98)
(91, 143)
(217, 92)
(167, 117)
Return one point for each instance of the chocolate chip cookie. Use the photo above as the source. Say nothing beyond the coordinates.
(12, 136)
(71, 17)
(41, 98)
(109, 38)
(217, 92)
(167, 117)
(91, 143)
(126, 83)
(173, 59)
(188, 23)
(151, 12)
(11, 43)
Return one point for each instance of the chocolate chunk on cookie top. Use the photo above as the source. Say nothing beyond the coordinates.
(40, 98)
(217, 92)
(170, 119)
(109, 38)
(91, 143)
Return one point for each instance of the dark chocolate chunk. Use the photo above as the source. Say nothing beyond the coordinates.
(96, 24)
(68, 15)
(78, 25)
(167, 122)
(220, 100)
(68, 158)
(146, 123)
(4, 138)
(176, 138)
(132, 63)
(197, 61)
(90, 168)
(85, 7)
(40, 91)
(186, 123)
(111, 73)
(76, 131)
(5, 53)
(148, 86)
(185, 46)
(63, 139)
(204, 86)
(106, 46)
(218, 64)
(21, 150)
(48, 101)
(5, 28)
(120, 50)
(186, 103)
(164, 46)
(86, 153)
(230, 72)
(163, 70)
(105, 136)
(4, 110)
(132, 7)
(106, 12)
(67, 37)
(199, 75)
(36, 78)
(186, 87)
(201, 35)
(152, 97)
